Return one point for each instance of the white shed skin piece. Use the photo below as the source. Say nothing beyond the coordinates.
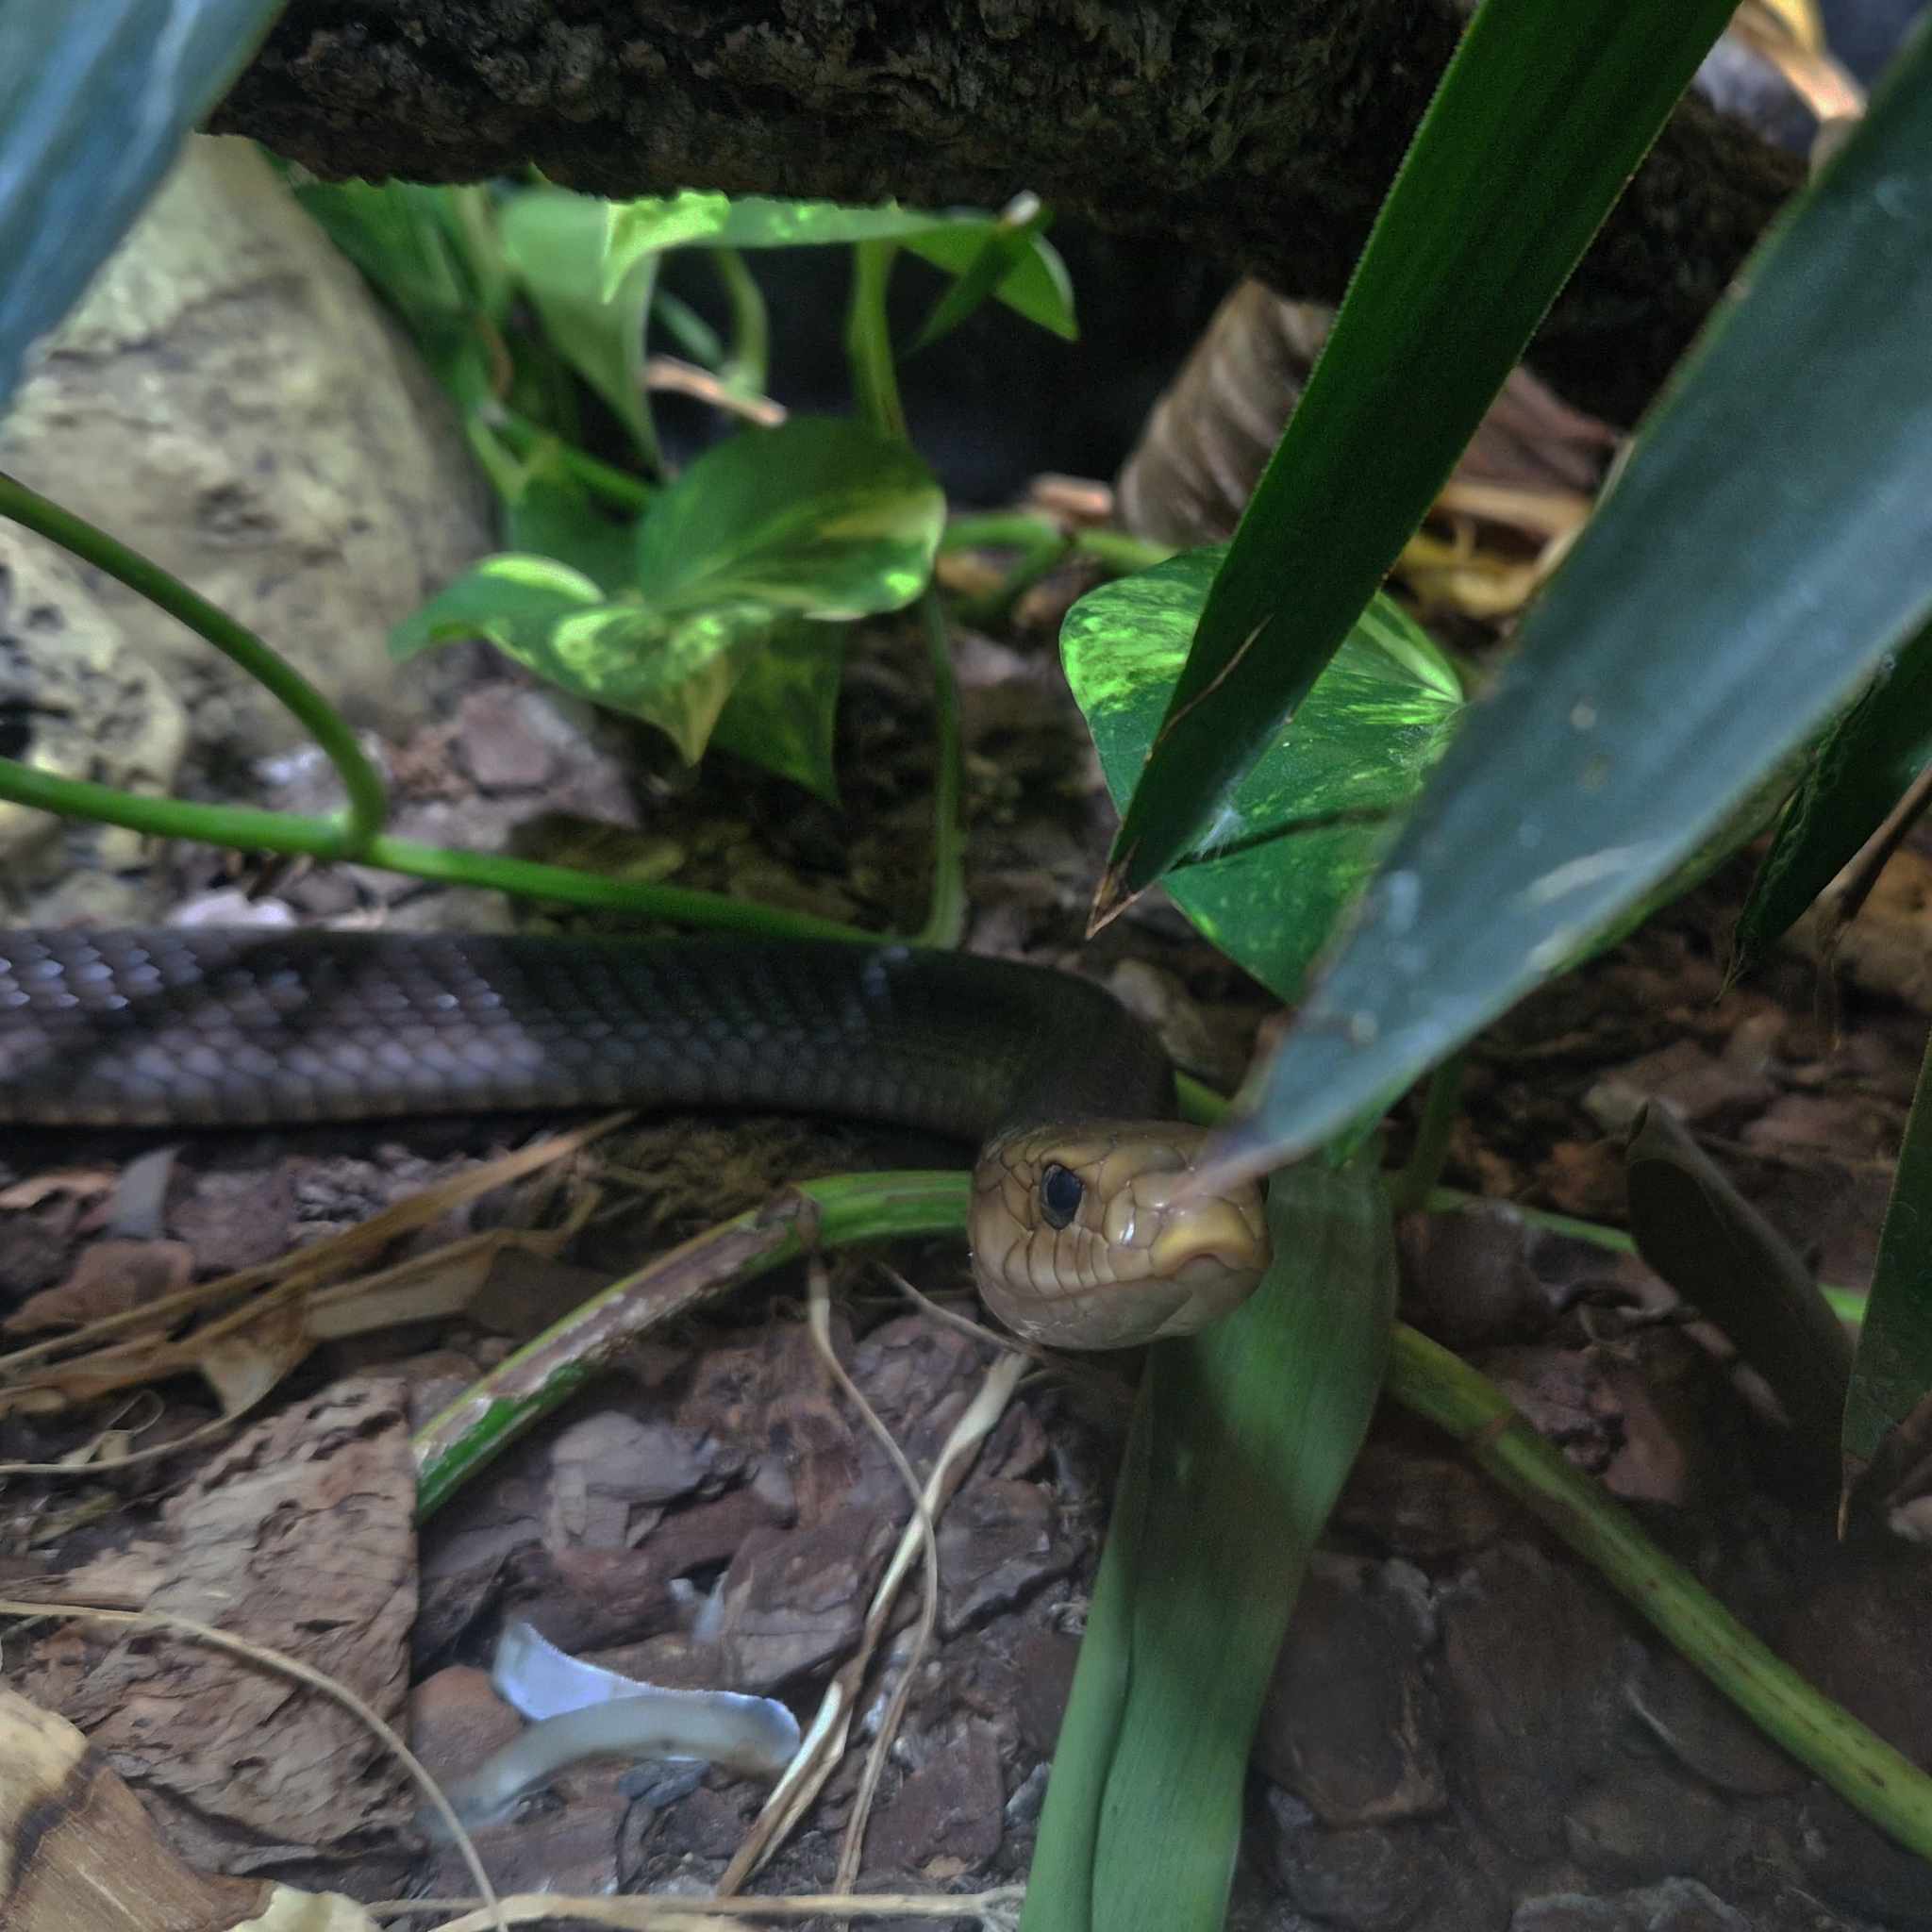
(583, 1710)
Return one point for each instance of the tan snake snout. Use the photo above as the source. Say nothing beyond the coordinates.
(1080, 1238)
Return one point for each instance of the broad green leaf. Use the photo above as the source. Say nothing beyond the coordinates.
(1036, 287)
(1241, 1443)
(675, 672)
(1304, 828)
(399, 234)
(555, 241)
(1866, 764)
(428, 252)
(1701, 629)
(508, 599)
(1892, 1373)
(819, 517)
(783, 712)
(995, 259)
(551, 514)
(95, 101)
(1543, 114)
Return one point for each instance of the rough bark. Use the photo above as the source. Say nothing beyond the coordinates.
(1262, 132)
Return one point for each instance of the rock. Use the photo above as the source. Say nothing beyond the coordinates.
(1645, 1820)
(511, 738)
(1700, 1090)
(1856, 1866)
(794, 1600)
(951, 1807)
(1704, 1731)
(456, 1720)
(1529, 1673)
(998, 1541)
(79, 701)
(1372, 1878)
(1349, 1724)
(1571, 1911)
(230, 401)
(1044, 1664)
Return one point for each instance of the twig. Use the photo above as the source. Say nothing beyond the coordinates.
(818, 1325)
(808, 1771)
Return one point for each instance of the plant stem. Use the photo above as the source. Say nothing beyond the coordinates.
(945, 915)
(1429, 1381)
(747, 365)
(822, 1215)
(368, 804)
(875, 384)
(998, 530)
(1423, 1377)
(868, 340)
(632, 492)
(1121, 552)
(251, 829)
(1848, 1303)
(1411, 1188)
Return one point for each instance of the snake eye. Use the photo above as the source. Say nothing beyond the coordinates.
(1061, 1189)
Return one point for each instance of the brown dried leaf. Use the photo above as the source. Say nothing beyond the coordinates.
(91, 1858)
(301, 1536)
(110, 1277)
(59, 1183)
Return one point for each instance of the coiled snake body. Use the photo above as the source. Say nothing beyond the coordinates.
(1076, 1237)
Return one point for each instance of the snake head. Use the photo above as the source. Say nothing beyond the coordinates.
(1080, 1241)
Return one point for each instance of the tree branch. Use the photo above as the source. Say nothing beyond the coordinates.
(1260, 132)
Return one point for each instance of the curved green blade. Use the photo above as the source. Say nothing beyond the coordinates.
(1541, 117)
(1242, 1441)
(1770, 541)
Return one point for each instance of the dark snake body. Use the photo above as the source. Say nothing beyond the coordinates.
(203, 1027)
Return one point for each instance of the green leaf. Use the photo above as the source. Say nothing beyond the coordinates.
(551, 514)
(1241, 1443)
(555, 241)
(1893, 1370)
(1542, 115)
(1309, 822)
(1035, 287)
(674, 672)
(995, 260)
(1866, 763)
(94, 103)
(818, 517)
(783, 712)
(1700, 629)
(432, 255)
(510, 600)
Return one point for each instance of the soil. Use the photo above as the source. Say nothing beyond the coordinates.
(1468, 1728)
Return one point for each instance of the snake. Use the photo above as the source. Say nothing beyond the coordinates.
(1084, 1230)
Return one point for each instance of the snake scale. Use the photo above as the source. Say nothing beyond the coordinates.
(1078, 1239)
